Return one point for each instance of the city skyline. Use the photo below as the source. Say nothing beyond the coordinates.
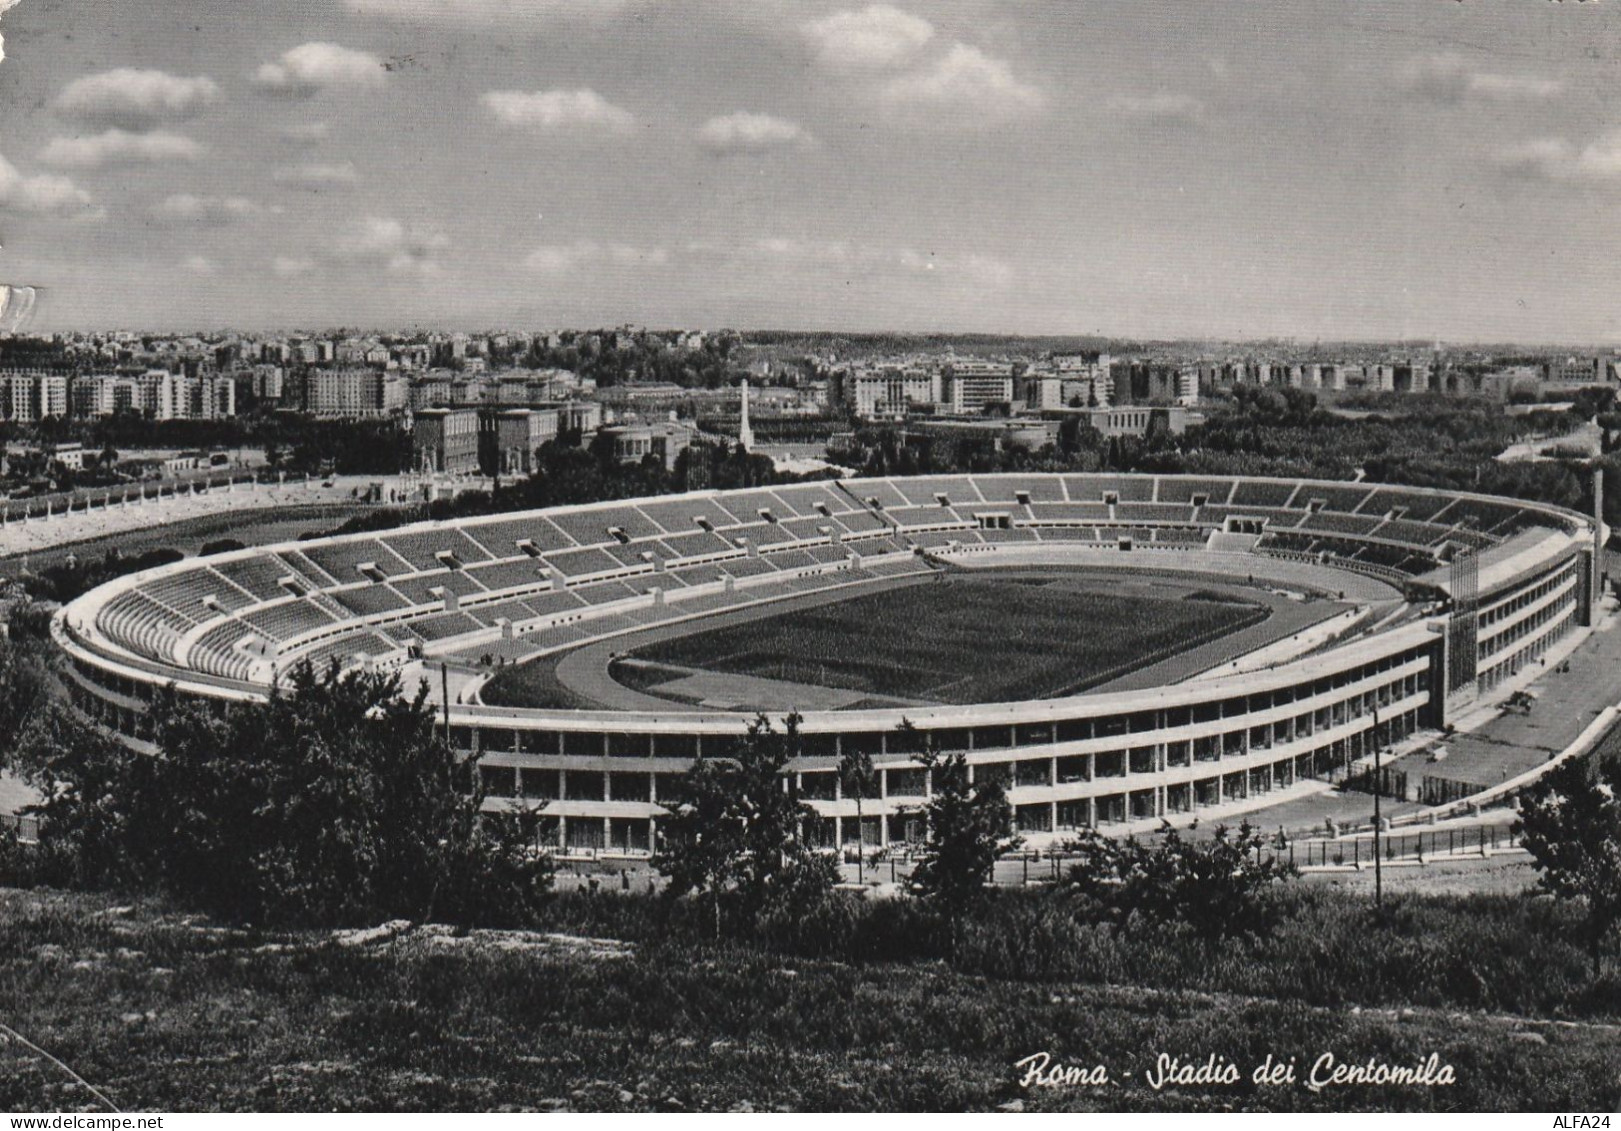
(949, 165)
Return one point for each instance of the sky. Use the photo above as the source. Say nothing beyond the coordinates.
(1314, 169)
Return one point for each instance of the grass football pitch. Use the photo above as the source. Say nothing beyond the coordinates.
(964, 639)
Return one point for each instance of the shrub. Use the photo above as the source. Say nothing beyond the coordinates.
(1570, 822)
(1216, 888)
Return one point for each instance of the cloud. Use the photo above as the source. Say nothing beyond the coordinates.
(874, 38)
(310, 68)
(119, 147)
(556, 110)
(1448, 79)
(744, 132)
(208, 211)
(304, 131)
(291, 266)
(484, 11)
(1557, 159)
(1177, 109)
(136, 100)
(391, 244)
(198, 265)
(316, 177)
(965, 86)
(851, 259)
(44, 195)
(563, 259)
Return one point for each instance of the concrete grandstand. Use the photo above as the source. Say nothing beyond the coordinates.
(1434, 599)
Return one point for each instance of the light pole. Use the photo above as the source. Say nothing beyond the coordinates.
(1378, 862)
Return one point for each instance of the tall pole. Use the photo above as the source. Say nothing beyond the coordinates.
(1378, 861)
(444, 693)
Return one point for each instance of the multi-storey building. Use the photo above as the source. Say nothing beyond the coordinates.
(351, 392)
(31, 396)
(446, 440)
(892, 390)
(975, 384)
(508, 438)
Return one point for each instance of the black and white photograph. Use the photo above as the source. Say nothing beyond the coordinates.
(783, 556)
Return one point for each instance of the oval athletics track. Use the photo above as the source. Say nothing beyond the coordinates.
(585, 671)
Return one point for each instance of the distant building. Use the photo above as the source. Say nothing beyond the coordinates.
(70, 454)
(892, 390)
(445, 440)
(975, 385)
(350, 392)
(633, 443)
(1025, 434)
(508, 438)
(1134, 420)
(32, 396)
(1578, 371)
(1147, 382)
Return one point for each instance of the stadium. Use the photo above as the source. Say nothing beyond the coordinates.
(1119, 650)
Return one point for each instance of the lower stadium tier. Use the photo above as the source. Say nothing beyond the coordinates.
(1247, 635)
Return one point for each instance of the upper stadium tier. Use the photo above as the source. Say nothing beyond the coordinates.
(1449, 593)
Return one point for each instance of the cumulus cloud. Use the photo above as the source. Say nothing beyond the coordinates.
(291, 266)
(744, 132)
(399, 248)
(44, 195)
(1178, 109)
(310, 68)
(1557, 159)
(563, 259)
(558, 110)
(208, 211)
(317, 177)
(119, 147)
(964, 86)
(1448, 79)
(873, 38)
(198, 265)
(133, 99)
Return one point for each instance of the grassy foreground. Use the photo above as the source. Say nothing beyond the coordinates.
(164, 1012)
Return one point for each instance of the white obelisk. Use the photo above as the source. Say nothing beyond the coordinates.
(745, 433)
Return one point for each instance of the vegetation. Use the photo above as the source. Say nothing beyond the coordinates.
(966, 833)
(1216, 888)
(1570, 821)
(335, 803)
(163, 1013)
(732, 836)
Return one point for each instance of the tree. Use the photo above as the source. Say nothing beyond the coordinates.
(91, 788)
(856, 776)
(1215, 887)
(333, 803)
(1570, 822)
(733, 833)
(967, 832)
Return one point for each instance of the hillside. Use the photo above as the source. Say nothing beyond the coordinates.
(168, 1013)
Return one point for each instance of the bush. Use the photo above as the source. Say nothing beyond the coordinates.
(1216, 888)
(334, 804)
